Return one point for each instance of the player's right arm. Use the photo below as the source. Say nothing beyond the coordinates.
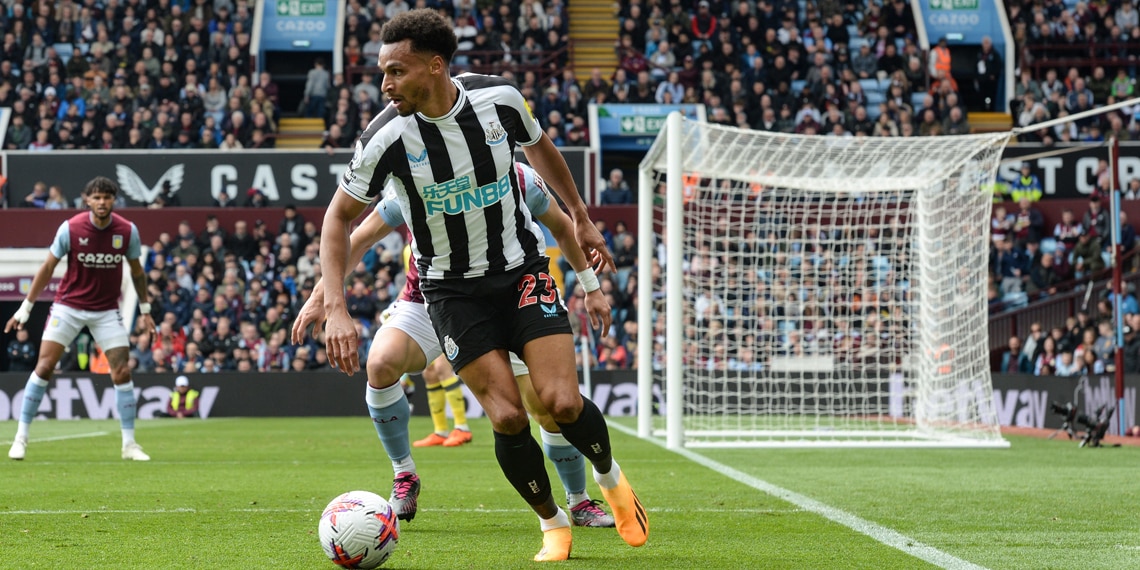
(372, 230)
(340, 333)
(562, 228)
(59, 248)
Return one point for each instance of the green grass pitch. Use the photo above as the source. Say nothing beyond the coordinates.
(247, 493)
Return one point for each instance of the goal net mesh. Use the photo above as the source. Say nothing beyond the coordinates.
(834, 289)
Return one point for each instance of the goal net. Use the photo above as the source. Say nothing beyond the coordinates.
(812, 290)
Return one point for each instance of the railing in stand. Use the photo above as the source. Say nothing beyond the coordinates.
(1084, 56)
(1051, 311)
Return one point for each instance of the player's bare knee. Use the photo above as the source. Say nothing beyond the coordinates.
(45, 370)
(382, 373)
(510, 421)
(121, 374)
(564, 406)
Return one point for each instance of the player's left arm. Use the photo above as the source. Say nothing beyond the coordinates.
(562, 227)
(138, 279)
(546, 159)
(548, 162)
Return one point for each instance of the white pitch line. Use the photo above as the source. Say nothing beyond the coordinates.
(882, 534)
(62, 437)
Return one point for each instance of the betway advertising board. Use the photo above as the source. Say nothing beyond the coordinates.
(198, 177)
(1018, 400)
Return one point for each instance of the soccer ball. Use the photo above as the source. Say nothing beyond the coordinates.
(359, 530)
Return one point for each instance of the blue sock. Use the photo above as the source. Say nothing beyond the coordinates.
(125, 402)
(568, 462)
(390, 414)
(33, 395)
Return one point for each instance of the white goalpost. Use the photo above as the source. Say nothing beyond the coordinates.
(815, 291)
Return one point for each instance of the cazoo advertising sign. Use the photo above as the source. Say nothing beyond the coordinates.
(198, 177)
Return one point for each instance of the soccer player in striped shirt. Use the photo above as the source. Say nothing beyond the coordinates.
(448, 144)
(95, 244)
(406, 336)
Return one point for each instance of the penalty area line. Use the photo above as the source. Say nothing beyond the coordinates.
(882, 534)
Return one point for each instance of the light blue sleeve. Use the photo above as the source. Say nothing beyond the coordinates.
(134, 248)
(62, 242)
(389, 211)
(537, 199)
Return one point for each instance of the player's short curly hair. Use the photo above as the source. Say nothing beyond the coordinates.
(101, 185)
(427, 29)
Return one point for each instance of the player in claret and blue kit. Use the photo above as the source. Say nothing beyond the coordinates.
(95, 244)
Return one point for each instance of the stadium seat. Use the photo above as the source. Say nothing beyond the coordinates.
(854, 45)
(885, 85)
(63, 51)
(882, 266)
(1014, 300)
(869, 85)
(916, 100)
(874, 98)
(798, 85)
(873, 112)
(1049, 245)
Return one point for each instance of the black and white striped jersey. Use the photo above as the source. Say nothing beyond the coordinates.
(454, 179)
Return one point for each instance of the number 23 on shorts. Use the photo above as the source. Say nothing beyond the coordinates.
(529, 283)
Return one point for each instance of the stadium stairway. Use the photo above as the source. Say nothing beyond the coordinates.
(981, 122)
(295, 133)
(593, 31)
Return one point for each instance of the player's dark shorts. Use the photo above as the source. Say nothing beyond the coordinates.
(475, 316)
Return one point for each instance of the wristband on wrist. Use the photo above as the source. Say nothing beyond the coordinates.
(144, 308)
(24, 312)
(589, 280)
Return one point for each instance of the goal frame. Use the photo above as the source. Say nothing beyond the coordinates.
(672, 140)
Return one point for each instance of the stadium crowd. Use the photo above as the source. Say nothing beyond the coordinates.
(97, 74)
(175, 74)
(225, 299)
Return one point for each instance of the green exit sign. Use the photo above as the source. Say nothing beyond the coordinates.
(954, 4)
(642, 124)
(300, 7)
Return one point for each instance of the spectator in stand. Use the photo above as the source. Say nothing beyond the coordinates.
(1096, 218)
(22, 352)
(1027, 185)
(617, 190)
(1001, 224)
(317, 85)
(990, 70)
(1045, 362)
(1066, 364)
(1087, 259)
(1029, 224)
(38, 197)
(1068, 230)
(1014, 360)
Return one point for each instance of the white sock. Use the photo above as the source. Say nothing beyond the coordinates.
(405, 465)
(608, 480)
(559, 520)
(383, 397)
(573, 499)
(35, 378)
(128, 436)
(22, 430)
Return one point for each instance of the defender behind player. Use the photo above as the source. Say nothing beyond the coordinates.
(95, 244)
